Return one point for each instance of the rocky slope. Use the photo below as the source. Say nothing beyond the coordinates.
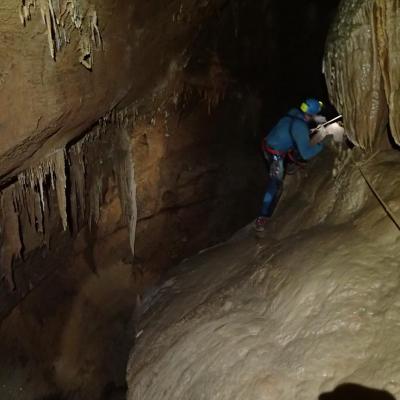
(312, 305)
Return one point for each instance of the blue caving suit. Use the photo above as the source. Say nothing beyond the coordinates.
(291, 133)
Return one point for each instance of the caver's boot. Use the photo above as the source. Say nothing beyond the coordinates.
(260, 223)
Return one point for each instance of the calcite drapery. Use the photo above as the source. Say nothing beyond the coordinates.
(61, 18)
(74, 177)
(361, 67)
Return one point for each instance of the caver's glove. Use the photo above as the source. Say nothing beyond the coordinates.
(319, 135)
(326, 136)
(322, 131)
(336, 130)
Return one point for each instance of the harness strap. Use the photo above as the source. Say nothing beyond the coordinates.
(294, 160)
(285, 154)
(272, 151)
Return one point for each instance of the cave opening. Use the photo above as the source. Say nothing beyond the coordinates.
(136, 126)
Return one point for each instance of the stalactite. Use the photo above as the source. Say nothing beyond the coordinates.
(95, 195)
(32, 183)
(211, 86)
(77, 172)
(85, 166)
(11, 243)
(127, 186)
(60, 18)
(61, 186)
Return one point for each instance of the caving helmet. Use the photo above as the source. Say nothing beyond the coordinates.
(311, 107)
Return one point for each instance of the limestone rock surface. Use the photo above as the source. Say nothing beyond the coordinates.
(289, 316)
(361, 66)
(82, 87)
(55, 86)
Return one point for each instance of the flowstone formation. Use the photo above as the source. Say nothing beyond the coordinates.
(312, 306)
(61, 18)
(66, 63)
(70, 182)
(361, 66)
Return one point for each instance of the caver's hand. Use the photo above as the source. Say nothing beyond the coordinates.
(337, 131)
(322, 131)
(319, 135)
(319, 119)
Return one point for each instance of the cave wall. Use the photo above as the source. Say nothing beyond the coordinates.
(178, 116)
(361, 68)
(189, 195)
(187, 198)
(192, 183)
(47, 101)
(72, 336)
(49, 97)
(215, 61)
(132, 87)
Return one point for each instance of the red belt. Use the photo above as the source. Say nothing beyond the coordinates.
(283, 154)
(273, 151)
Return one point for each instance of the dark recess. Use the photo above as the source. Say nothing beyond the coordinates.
(351, 391)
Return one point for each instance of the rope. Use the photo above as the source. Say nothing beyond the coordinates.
(387, 209)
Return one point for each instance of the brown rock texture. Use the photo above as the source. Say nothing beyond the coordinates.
(361, 67)
(312, 305)
(193, 174)
(188, 196)
(46, 102)
(90, 91)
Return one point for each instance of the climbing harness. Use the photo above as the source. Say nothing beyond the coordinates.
(285, 154)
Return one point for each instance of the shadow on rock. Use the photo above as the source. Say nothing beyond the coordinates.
(350, 391)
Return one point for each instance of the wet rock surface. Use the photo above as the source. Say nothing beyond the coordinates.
(175, 116)
(290, 315)
(361, 68)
